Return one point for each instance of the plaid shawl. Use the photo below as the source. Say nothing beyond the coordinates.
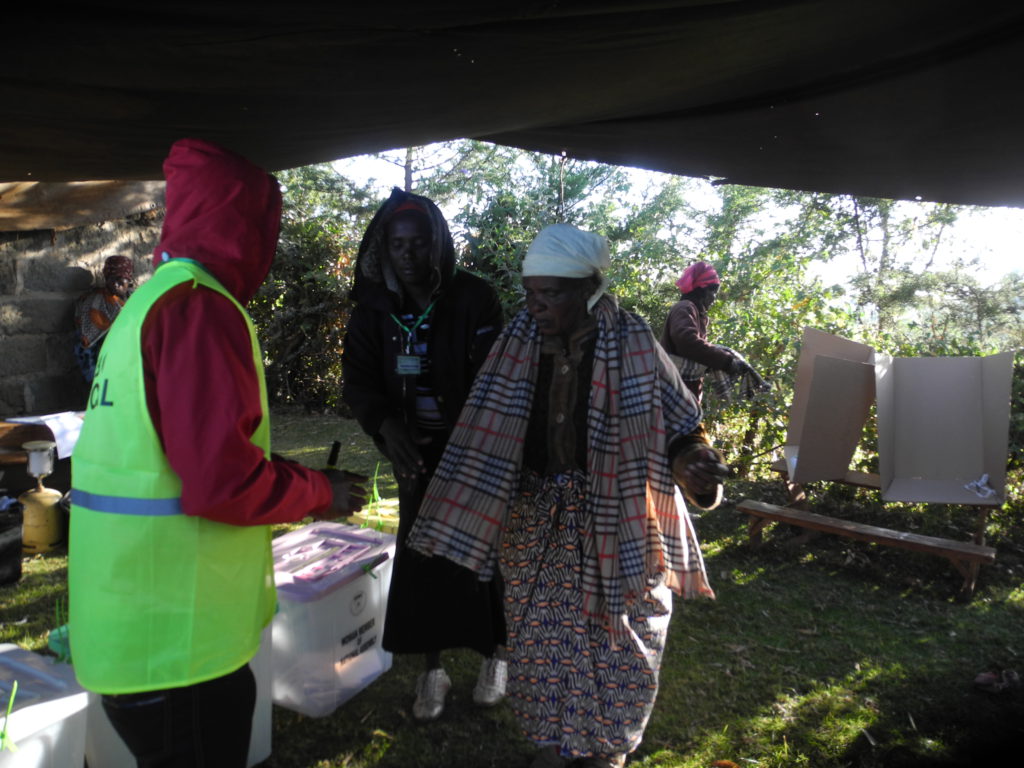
(639, 529)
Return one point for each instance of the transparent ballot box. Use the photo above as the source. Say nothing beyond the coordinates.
(332, 587)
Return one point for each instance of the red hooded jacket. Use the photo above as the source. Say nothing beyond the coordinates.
(201, 384)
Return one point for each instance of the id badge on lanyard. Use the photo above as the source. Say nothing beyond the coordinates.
(409, 364)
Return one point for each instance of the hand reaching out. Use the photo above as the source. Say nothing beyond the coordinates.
(349, 493)
(401, 444)
(740, 367)
(699, 471)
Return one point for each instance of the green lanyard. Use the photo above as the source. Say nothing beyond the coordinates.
(410, 331)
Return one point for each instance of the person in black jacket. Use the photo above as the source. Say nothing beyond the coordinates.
(685, 338)
(420, 330)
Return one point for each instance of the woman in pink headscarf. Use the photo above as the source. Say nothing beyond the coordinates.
(686, 328)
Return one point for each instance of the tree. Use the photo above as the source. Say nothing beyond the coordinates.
(762, 242)
(765, 244)
(957, 315)
(520, 193)
(895, 243)
(302, 308)
(655, 236)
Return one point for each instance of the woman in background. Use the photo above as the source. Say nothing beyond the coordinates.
(685, 338)
(96, 309)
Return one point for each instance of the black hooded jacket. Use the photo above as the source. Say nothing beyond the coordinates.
(466, 320)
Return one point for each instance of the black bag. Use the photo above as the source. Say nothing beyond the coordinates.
(10, 544)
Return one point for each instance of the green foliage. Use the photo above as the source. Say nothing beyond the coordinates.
(954, 314)
(503, 209)
(767, 296)
(889, 239)
(1016, 431)
(766, 244)
(302, 308)
(652, 240)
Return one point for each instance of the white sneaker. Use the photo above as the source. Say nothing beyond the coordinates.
(490, 683)
(431, 688)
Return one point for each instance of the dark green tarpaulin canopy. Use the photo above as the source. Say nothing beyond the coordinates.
(912, 99)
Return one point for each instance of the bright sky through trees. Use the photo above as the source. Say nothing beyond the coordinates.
(994, 236)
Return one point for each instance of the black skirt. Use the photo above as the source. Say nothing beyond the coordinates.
(433, 603)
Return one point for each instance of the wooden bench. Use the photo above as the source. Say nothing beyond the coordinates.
(798, 497)
(966, 557)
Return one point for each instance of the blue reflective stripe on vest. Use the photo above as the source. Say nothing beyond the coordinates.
(122, 505)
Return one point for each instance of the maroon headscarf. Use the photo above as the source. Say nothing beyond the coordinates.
(118, 267)
(697, 276)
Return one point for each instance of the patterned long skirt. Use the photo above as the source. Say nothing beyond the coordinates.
(567, 685)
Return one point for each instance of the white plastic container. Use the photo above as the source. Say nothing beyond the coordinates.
(48, 721)
(332, 587)
(104, 748)
(262, 716)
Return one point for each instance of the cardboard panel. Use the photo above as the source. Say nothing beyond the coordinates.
(885, 403)
(831, 402)
(942, 423)
(997, 384)
(816, 343)
(837, 406)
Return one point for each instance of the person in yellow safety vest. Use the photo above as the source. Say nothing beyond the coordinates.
(174, 487)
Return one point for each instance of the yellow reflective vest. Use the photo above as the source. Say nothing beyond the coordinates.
(157, 599)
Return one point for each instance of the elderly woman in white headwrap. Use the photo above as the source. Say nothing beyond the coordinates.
(565, 471)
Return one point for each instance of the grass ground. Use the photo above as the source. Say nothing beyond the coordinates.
(829, 654)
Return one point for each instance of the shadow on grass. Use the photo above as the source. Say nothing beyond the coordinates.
(376, 728)
(837, 654)
(807, 658)
(833, 654)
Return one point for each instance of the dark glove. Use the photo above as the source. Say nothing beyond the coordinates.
(740, 367)
(699, 472)
(348, 494)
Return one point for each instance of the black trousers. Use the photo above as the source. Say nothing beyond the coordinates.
(206, 725)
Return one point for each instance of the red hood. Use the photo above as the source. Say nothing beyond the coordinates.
(223, 212)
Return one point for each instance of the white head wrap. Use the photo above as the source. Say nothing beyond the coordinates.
(561, 250)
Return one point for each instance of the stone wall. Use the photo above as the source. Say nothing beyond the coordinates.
(41, 275)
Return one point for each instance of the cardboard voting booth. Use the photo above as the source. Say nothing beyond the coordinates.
(943, 428)
(943, 437)
(332, 587)
(943, 422)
